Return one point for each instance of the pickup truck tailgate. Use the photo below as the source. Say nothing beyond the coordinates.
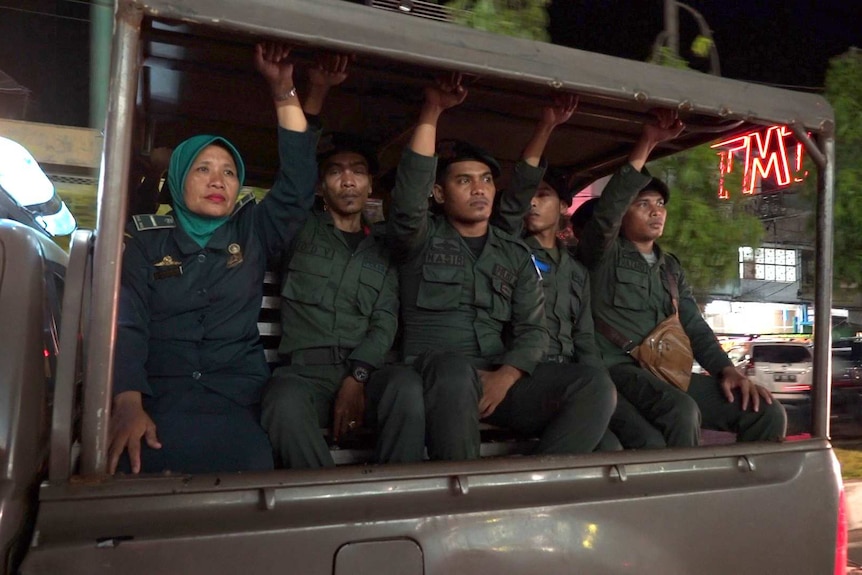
(758, 508)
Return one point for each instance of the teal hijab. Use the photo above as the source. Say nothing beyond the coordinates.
(199, 228)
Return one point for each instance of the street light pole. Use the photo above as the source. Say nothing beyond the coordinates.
(670, 35)
(671, 26)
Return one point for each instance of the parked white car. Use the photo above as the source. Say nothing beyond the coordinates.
(27, 195)
(783, 367)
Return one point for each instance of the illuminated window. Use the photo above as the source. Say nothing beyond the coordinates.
(768, 264)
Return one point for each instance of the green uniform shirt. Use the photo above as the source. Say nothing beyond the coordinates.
(628, 293)
(336, 297)
(490, 307)
(568, 317)
(564, 280)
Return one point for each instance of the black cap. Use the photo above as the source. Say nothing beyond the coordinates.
(338, 142)
(558, 179)
(656, 185)
(452, 151)
(582, 215)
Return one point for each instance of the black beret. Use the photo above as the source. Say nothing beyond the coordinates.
(338, 142)
(452, 151)
(558, 179)
(582, 215)
(659, 186)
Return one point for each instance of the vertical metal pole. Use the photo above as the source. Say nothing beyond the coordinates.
(671, 26)
(822, 389)
(101, 19)
(107, 258)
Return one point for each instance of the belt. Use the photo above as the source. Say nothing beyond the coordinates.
(319, 356)
(557, 359)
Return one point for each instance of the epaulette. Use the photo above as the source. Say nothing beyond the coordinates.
(240, 203)
(153, 222)
(512, 239)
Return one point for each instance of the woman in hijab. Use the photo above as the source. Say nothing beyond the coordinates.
(189, 368)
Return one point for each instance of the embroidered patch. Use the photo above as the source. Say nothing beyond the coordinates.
(168, 272)
(444, 259)
(373, 265)
(504, 274)
(446, 245)
(637, 264)
(307, 247)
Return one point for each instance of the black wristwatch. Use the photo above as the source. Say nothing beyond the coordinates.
(361, 373)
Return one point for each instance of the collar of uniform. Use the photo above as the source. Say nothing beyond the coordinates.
(494, 236)
(326, 217)
(630, 248)
(187, 245)
(562, 249)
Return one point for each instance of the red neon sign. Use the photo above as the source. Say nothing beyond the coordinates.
(765, 155)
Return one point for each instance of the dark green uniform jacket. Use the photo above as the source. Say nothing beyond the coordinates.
(628, 293)
(565, 282)
(191, 313)
(336, 297)
(452, 300)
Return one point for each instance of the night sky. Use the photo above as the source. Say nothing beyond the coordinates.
(786, 42)
(44, 44)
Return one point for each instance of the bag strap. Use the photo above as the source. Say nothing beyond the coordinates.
(673, 286)
(618, 339)
(613, 335)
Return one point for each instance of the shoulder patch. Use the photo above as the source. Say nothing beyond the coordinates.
(247, 198)
(153, 222)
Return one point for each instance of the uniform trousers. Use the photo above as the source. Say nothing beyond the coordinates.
(201, 431)
(679, 415)
(632, 429)
(567, 406)
(300, 398)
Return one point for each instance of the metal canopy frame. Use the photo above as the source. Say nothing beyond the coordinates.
(613, 91)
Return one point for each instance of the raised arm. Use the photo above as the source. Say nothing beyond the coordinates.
(515, 200)
(271, 60)
(407, 225)
(285, 208)
(330, 71)
(602, 229)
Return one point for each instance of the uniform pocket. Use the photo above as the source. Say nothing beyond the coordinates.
(370, 284)
(307, 277)
(440, 288)
(631, 290)
(501, 300)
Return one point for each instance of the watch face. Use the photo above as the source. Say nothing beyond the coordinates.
(360, 374)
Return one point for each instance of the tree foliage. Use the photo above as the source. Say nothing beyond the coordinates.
(704, 231)
(843, 89)
(520, 18)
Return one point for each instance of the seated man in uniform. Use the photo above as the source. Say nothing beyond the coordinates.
(631, 296)
(339, 316)
(565, 282)
(472, 308)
